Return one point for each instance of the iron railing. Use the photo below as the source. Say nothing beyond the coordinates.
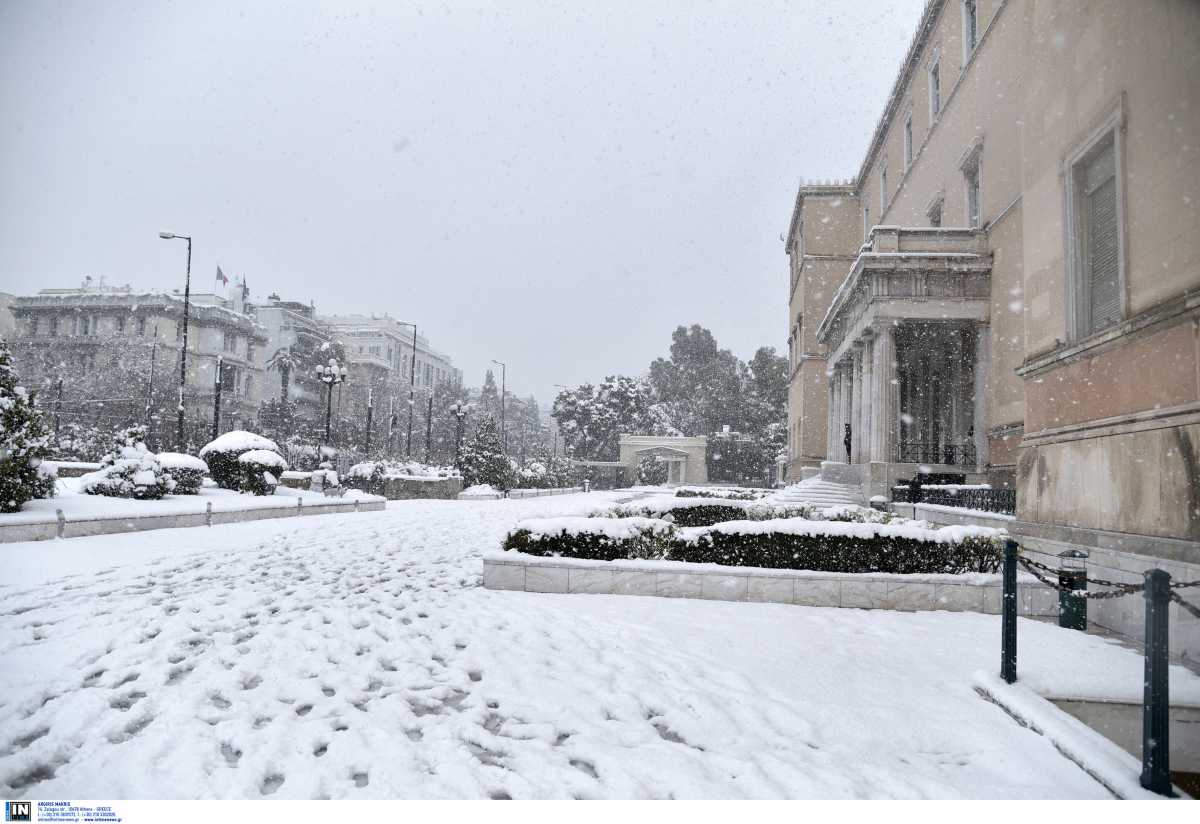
(932, 452)
(1001, 501)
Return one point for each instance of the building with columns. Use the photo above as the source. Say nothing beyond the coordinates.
(1009, 287)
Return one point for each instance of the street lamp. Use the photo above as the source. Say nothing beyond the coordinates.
(187, 292)
(459, 410)
(503, 392)
(330, 375)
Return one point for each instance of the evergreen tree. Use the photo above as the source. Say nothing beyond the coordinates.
(482, 460)
(23, 442)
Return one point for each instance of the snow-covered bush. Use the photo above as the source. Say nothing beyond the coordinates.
(23, 442)
(81, 442)
(130, 470)
(832, 546)
(792, 543)
(222, 455)
(481, 491)
(592, 538)
(724, 493)
(533, 475)
(260, 470)
(651, 471)
(187, 470)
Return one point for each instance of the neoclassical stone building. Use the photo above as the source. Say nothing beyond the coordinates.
(1010, 286)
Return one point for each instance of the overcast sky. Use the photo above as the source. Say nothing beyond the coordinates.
(554, 186)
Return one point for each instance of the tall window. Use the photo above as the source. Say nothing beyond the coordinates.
(141, 326)
(908, 141)
(1098, 237)
(971, 179)
(53, 327)
(866, 223)
(970, 28)
(935, 90)
(120, 324)
(883, 190)
(935, 214)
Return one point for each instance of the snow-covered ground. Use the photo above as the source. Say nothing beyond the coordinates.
(358, 656)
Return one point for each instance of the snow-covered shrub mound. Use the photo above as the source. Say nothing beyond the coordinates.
(480, 491)
(260, 471)
(222, 454)
(853, 514)
(834, 546)
(791, 543)
(187, 470)
(606, 539)
(130, 470)
(372, 476)
(651, 471)
(724, 493)
(24, 440)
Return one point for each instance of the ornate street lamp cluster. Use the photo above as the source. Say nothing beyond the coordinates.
(330, 375)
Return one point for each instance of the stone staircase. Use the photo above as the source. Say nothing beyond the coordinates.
(819, 491)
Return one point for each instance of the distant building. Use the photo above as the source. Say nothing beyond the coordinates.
(100, 343)
(384, 346)
(292, 327)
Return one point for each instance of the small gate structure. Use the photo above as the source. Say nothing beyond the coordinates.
(1159, 592)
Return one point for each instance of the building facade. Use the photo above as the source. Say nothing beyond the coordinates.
(295, 344)
(1009, 289)
(117, 355)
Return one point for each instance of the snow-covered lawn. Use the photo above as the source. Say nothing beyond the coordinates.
(358, 656)
(78, 506)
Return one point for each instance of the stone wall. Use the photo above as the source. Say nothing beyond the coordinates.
(405, 489)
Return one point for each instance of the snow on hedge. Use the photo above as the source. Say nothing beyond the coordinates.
(480, 491)
(618, 529)
(912, 531)
(265, 457)
(178, 460)
(239, 441)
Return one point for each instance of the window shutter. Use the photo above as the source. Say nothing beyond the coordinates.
(1100, 194)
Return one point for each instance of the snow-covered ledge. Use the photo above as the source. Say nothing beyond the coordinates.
(974, 592)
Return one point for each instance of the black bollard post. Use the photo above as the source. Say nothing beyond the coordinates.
(1072, 577)
(1008, 632)
(1156, 743)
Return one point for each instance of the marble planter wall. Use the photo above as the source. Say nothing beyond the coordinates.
(524, 573)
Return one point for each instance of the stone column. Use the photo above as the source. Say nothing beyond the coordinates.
(857, 398)
(982, 377)
(845, 405)
(831, 390)
(884, 390)
(862, 446)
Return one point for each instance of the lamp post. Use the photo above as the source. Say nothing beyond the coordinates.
(459, 410)
(503, 392)
(187, 293)
(330, 375)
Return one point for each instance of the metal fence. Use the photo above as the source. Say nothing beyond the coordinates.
(1001, 501)
(932, 452)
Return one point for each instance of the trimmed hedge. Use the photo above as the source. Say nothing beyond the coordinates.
(709, 512)
(727, 494)
(779, 548)
(647, 541)
(840, 553)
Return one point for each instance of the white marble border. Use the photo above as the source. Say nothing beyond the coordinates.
(913, 593)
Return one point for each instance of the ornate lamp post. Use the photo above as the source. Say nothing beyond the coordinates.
(459, 411)
(331, 375)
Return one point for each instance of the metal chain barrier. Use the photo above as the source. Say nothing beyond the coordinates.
(1118, 590)
(1183, 605)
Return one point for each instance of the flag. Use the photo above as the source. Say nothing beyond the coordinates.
(221, 277)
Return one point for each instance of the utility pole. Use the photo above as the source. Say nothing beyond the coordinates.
(429, 428)
(217, 400)
(58, 410)
(150, 383)
(503, 392)
(187, 291)
(370, 413)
